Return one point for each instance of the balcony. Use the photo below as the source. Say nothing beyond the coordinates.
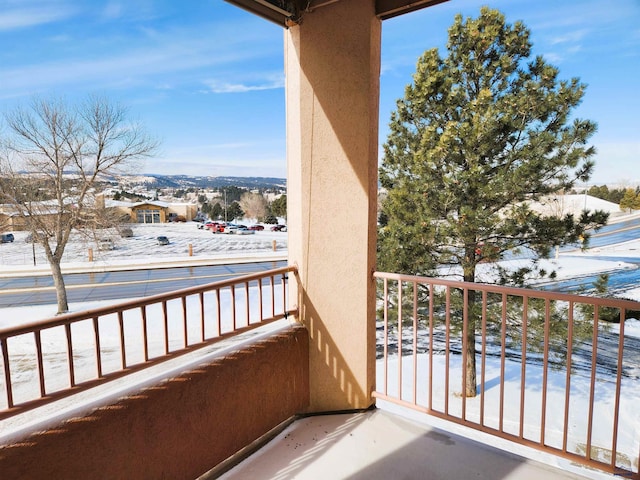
(211, 404)
(555, 380)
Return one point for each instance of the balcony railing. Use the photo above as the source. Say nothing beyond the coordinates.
(555, 372)
(50, 359)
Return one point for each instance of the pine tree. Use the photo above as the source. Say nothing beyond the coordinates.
(478, 135)
(630, 200)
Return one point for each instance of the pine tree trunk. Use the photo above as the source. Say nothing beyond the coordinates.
(470, 337)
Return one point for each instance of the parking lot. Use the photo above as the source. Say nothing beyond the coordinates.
(184, 239)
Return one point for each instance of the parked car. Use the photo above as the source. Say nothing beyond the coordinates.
(7, 238)
(230, 229)
(279, 228)
(256, 228)
(243, 230)
(217, 227)
(163, 240)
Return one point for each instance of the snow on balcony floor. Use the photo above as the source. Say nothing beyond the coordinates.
(378, 444)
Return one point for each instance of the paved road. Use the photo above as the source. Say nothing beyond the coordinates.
(81, 287)
(620, 280)
(616, 233)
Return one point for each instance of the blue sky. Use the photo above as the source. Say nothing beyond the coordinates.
(207, 78)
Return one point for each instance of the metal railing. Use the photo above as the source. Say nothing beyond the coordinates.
(555, 372)
(50, 359)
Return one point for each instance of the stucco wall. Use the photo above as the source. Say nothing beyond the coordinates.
(332, 64)
(179, 429)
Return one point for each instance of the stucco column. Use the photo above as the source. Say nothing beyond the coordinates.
(332, 65)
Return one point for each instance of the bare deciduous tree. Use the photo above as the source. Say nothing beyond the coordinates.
(53, 157)
(253, 205)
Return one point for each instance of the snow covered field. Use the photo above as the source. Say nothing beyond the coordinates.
(143, 247)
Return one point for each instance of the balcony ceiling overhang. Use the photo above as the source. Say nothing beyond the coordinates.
(287, 13)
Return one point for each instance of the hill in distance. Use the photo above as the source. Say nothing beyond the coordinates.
(190, 181)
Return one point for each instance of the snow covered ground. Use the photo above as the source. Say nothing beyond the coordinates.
(628, 439)
(143, 249)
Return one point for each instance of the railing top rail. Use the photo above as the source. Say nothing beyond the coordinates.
(131, 304)
(522, 292)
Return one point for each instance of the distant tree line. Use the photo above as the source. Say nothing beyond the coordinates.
(627, 198)
(603, 192)
(128, 196)
(235, 202)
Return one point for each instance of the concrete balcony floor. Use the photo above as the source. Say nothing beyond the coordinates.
(379, 444)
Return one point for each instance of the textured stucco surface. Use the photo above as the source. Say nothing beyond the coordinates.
(178, 429)
(333, 65)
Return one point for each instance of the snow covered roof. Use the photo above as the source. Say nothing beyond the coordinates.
(155, 203)
(575, 204)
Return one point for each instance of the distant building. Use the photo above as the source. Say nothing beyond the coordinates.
(149, 212)
(154, 211)
(10, 221)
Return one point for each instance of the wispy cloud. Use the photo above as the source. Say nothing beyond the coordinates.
(272, 83)
(14, 19)
(570, 37)
(135, 66)
(205, 150)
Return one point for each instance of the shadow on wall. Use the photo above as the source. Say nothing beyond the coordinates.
(329, 370)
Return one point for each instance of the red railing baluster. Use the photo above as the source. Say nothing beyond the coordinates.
(123, 350)
(165, 324)
(202, 318)
(185, 323)
(523, 367)
(545, 370)
(616, 408)
(8, 384)
(447, 348)
(40, 367)
(386, 334)
(72, 371)
(246, 303)
(145, 336)
(415, 342)
(503, 358)
(219, 312)
(98, 353)
(431, 288)
(233, 306)
(260, 300)
(399, 339)
(465, 345)
(592, 388)
(483, 358)
(567, 384)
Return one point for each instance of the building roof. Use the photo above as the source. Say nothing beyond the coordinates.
(155, 203)
(287, 13)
